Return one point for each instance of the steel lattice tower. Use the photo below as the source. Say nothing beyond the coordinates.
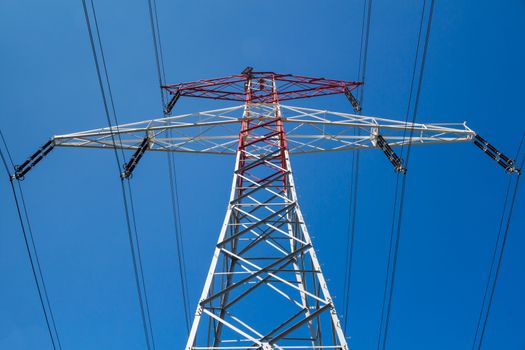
(265, 288)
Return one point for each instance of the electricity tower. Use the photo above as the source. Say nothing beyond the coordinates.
(265, 288)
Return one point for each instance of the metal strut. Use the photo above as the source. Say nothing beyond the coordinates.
(172, 102)
(21, 170)
(129, 166)
(390, 154)
(508, 164)
(247, 71)
(355, 103)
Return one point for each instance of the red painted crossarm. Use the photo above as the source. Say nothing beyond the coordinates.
(288, 87)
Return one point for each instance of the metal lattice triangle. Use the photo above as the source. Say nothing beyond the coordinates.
(265, 288)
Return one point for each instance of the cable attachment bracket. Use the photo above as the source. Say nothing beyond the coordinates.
(135, 158)
(353, 101)
(34, 159)
(396, 161)
(171, 104)
(247, 71)
(508, 164)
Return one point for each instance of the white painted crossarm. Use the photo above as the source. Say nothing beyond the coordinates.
(308, 131)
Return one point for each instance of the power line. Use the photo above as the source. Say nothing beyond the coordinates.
(157, 48)
(8, 154)
(363, 51)
(178, 237)
(30, 246)
(172, 175)
(396, 226)
(351, 236)
(106, 75)
(361, 72)
(497, 257)
(137, 267)
(139, 256)
(396, 192)
(136, 257)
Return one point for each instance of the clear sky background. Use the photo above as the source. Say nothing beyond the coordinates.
(454, 196)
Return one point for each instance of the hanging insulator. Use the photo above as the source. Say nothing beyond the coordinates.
(391, 155)
(247, 71)
(34, 159)
(353, 101)
(493, 149)
(172, 102)
(130, 166)
(507, 163)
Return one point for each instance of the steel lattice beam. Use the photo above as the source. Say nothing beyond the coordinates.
(265, 288)
(262, 86)
(308, 131)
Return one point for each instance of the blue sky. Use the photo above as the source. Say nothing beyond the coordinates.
(454, 194)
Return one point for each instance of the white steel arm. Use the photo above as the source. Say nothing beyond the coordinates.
(308, 131)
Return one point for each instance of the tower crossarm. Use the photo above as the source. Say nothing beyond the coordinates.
(311, 130)
(263, 86)
(213, 132)
(307, 130)
(265, 288)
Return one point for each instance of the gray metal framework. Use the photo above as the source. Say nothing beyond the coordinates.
(265, 288)
(307, 130)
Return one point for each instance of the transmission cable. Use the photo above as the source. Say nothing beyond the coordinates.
(497, 256)
(396, 225)
(172, 174)
(363, 51)
(178, 236)
(130, 217)
(32, 253)
(351, 234)
(137, 267)
(354, 177)
(157, 48)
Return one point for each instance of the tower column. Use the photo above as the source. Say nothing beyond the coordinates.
(265, 288)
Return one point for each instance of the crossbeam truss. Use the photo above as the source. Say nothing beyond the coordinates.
(265, 288)
(262, 87)
(308, 131)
